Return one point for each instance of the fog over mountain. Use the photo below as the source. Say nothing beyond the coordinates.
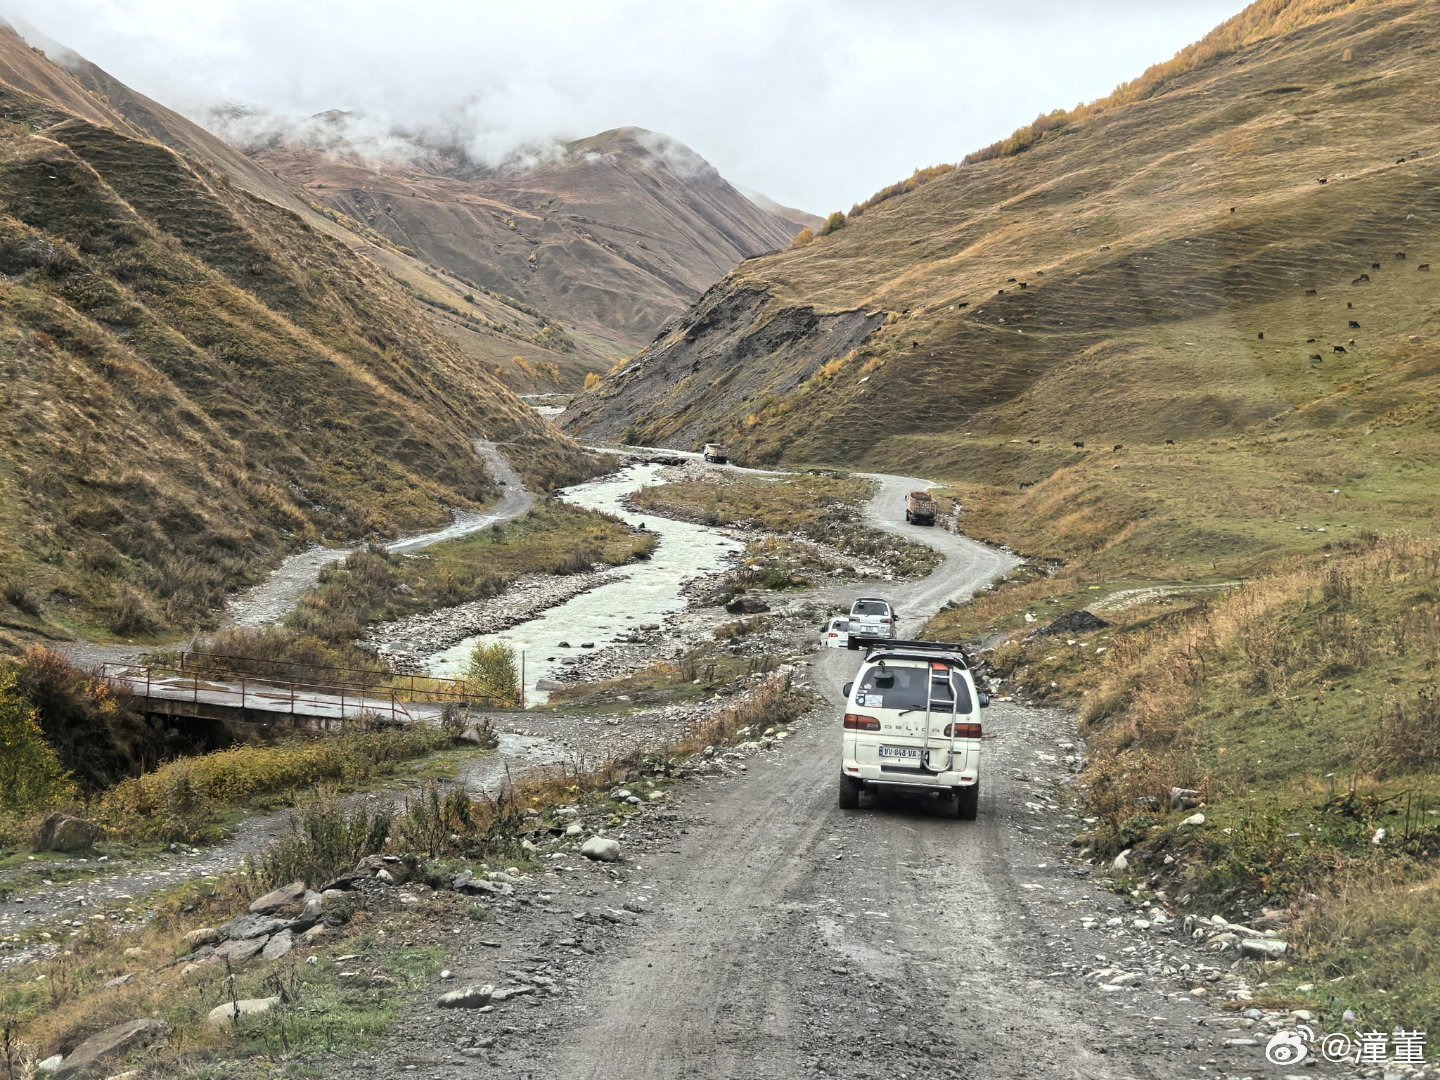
(815, 104)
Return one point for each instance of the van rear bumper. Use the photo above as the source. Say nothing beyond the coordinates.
(879, 776)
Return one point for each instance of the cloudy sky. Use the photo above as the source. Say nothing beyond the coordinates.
(816, 103)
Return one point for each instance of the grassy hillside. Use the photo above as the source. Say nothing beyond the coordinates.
(1109, 285)
(195, 381)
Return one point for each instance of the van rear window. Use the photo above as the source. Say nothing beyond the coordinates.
(905, 688)
(870, 607)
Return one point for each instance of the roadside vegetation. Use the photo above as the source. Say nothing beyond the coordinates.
(374, 950)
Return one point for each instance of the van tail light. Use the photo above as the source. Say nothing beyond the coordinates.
(858, 722)
(962, 731)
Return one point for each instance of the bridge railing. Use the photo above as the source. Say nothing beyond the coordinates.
(177, 685)
(408, 687)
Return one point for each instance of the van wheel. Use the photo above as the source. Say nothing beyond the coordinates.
(967, 802)
(849, 793)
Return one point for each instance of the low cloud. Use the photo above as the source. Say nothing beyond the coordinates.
(814, 103)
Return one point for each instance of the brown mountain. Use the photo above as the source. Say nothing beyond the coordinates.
(610, 235)
(195, 380)
(1176, 263)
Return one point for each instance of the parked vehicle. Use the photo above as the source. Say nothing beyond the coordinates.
(920, 508)
(715, 453)
(912, 724)
(872, 617)
(835, 634)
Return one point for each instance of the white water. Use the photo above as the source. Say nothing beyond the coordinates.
(642, 592)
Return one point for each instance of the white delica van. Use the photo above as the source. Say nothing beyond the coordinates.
(912, 724)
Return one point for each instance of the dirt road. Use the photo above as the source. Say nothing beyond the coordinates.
(783, 937)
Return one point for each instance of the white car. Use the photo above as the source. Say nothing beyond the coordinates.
(912, 724)
(873, 618)
(835, 634)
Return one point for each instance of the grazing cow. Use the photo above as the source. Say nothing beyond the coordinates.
(1033, 442)
(963, 303)
(1262, 335)
(1309, 341)
(1322, 180)
(1023, 285)
(914, 344)
(1352, 342)
(1169, 442)
(1400, 256)
(1232, 209)
(1374, 266)
(1104, 247)
(1340, 349)
(1026, 484)
(1316, 357)
(999, 292)
(1117, 446)
(1363, 279)
(1078, 445)
(1348, 304)
(1312, 292)
(1354, 325)
(1400, 161)
(1039, 273)
(1010, 279)
(1423, 266)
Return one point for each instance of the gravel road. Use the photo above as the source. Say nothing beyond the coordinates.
(777, 936)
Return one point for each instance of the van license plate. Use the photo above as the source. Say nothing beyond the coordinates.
(901, 752)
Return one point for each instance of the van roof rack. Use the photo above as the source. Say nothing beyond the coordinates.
(911, 650)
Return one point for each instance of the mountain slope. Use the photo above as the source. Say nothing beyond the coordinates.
(195, 381)
(511, 340)
(1108, 285)
(611, 235)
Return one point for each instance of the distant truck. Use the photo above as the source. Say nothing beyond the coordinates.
(920, 508)
(715, 453)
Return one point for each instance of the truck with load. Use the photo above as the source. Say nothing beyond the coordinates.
(715, 453)
(920, 508)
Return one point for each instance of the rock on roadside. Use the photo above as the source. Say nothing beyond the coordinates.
(474, 996)
(601, 849)
(112, 1043)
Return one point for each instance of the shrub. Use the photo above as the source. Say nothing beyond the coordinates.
(18, 597)
(592, 380)
(322, 840)
(833, 222)
(804, 238)
(31, 777)
(132, 614)
(493, 675)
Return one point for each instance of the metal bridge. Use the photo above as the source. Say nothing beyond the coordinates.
(209, 687)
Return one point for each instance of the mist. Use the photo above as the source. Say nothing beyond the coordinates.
(815, 105)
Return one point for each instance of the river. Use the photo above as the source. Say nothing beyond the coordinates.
(637, 593)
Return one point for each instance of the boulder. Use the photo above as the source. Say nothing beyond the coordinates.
(278, 946)
(467, 997)
(601, 849)
(200, 936)
(61, 832)
(112, 1043)
(225, 1014)
(747, 605)
(1263, 948)
(237, 952)
(243, 927)
(282, 897)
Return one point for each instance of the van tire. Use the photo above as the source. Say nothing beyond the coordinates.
(849, 793)
(967, 802)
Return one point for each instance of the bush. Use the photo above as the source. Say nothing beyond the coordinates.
(131, 614)
(31, 777)
(179, 801)
(804, 238)
(322, 840)
(592, 380)
(493, 675)
(833, 222)
(19, 598)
